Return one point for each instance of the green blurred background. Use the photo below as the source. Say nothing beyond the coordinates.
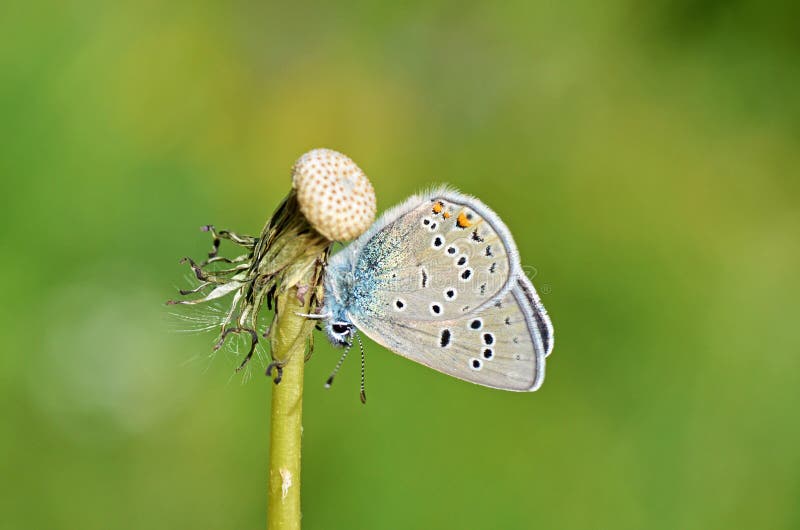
(644, 154)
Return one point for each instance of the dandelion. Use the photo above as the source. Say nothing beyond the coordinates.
(331, 200)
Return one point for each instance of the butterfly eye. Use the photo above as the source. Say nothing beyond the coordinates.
(339, 329)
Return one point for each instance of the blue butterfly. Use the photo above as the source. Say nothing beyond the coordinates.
(438, 280)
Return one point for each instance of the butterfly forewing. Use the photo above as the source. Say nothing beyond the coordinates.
(444, 258)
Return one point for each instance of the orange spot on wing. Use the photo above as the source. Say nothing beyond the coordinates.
(446, 215)
(438, 207)
(462, 221)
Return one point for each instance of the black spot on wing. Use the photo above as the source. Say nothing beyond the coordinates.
(444, 339)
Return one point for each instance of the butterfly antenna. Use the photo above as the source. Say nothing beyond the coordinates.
(329, 382)
(363, 370)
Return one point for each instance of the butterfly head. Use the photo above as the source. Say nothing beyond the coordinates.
(340, 332)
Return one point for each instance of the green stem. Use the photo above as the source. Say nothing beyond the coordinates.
(285, 266)
(290, 336)
(288, 263)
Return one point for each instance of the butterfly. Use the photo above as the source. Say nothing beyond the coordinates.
(438, 280)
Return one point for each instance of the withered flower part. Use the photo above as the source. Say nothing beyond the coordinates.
(331, 200)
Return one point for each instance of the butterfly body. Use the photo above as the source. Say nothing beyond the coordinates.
(438, 280)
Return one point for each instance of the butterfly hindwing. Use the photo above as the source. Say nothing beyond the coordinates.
(498, 346)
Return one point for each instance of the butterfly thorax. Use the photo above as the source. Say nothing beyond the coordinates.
(338, 295)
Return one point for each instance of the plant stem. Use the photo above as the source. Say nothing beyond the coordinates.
(289, 342)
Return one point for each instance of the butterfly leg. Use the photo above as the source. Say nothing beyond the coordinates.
(314, 316)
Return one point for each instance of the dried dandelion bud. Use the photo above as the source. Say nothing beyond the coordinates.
(334, 194)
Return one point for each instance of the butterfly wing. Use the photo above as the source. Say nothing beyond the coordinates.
(436, 256)
(437, 277)
(498, 346)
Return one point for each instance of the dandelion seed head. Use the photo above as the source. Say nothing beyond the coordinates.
(334, 194)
